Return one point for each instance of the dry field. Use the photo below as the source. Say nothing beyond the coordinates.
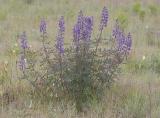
(136, 91)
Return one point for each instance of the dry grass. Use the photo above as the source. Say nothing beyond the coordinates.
(134, 95)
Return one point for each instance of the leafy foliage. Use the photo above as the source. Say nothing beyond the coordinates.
(137, 7)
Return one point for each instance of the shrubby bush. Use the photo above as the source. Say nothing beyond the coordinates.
(137, 7)
(142, 15)
(137, 66)
(28, 1)
(142, 10)
(155, 64)
(80, 72)
(139, 10)
(146, 64)
(153, 9)
(123, 20)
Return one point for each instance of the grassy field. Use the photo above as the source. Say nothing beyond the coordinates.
(136, 91)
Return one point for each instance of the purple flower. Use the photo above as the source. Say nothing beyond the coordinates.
(77, 30)
(43, 26)
(88, 27)
(117, 31)
(76, 34)
(83, 28)
(22, 63)
(123, 43)
(23, 41)
(104, 18)
(60, 37)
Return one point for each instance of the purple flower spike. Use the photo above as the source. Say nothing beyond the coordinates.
(88, 27)
(43, 26)
(76, 34)
(23, 41)
(60, 37)
(77, 30)
(104, 18)
(83, 28)
(80, 19)
(116, 31)
(123, 43)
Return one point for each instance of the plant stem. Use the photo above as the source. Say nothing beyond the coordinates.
(98, 41)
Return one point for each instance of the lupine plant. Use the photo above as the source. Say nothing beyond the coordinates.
(81, 72)
(24, 47)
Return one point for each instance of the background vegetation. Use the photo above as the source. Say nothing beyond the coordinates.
(135, 93)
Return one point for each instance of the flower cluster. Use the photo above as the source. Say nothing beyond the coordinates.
(123, 43)
(24, 46)
(60, 37)
(43, 26)
(104, 19)
(83, 28)
(23, 41)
